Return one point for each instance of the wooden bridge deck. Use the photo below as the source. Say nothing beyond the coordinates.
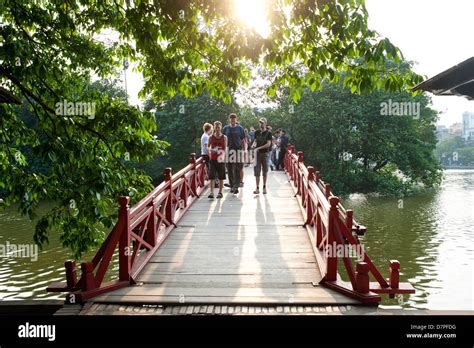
(242, 249)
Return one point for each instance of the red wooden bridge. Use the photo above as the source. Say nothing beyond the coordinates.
(177, 246)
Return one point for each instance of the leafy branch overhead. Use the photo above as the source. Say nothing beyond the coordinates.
(52, 51)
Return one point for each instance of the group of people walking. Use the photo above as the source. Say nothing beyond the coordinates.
(228, 148)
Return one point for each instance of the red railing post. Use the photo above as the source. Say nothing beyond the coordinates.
(88, 281)
(71, 275)
(331, 274)
(394, 274)
(319, 231)
(299, 177)
(300, 156)
(183, 197)
(169, 202)
(125, 252)
(204, 173)
(362, 277)
(349, 219)
(290, 163)
(151, 228)
(309, 205)
(194, 178)
(327, 190)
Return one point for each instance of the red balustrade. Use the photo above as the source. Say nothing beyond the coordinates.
(333, 233)
(142, 229)
(138, 233)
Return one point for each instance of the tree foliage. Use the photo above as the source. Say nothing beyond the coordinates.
(356, 148)
(49, 51)
(454, 150)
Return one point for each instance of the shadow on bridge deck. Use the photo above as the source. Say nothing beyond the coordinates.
(243, 249)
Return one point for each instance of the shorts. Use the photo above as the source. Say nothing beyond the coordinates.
(217, 170)
(261, 163)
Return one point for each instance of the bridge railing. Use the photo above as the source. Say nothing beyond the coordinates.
(140, 230)
(334, 235)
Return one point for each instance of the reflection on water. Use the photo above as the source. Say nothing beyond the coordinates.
(23, 277)
(28, 277)
(431, 236)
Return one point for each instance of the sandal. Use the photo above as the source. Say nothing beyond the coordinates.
(219, 195)
(211, 196)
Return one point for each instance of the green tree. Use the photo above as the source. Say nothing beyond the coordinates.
(356, 148)
(50, 49)
(464, 156)
(446, 149)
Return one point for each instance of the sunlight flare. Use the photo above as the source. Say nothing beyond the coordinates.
(253, 14)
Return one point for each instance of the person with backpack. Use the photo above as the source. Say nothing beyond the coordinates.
(237, 145)
(261, 144)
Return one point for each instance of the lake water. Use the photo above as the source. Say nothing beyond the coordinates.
(432, 235)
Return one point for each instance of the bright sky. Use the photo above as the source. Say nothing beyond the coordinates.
(436, 34)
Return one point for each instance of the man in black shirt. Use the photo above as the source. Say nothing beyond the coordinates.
(263, 140)
(283, 145)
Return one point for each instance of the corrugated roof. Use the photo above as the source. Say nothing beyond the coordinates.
(457, 80)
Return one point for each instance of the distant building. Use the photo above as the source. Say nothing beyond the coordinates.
(468, 125)
(456, 129)
(441, 132)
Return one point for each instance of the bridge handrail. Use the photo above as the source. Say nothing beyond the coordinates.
(331, 226)
(138, 233)
(161, 187)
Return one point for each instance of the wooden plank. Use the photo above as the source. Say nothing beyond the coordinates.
(250, 230)
(221, 221)
(231, 285)
(233, 253)
(241, 267)
(205, 278)
(206, 239)
(235, 247)
(315, 300)
(250, 211)
(152, 290)
(208, 232)
(209, 259)
(210, 227)
(265, 244)
(233, 271)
